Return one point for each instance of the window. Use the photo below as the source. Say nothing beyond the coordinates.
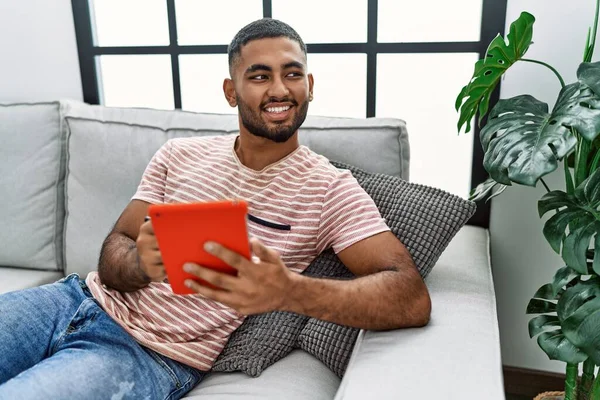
(423, 95)
(136, 80)
(384, 58)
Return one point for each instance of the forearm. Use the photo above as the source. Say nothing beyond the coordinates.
(119, 267)
(384, 300)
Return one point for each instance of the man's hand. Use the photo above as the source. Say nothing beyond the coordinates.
(149, 255)
(260, 286)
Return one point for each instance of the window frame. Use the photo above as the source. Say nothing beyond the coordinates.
(493, 20)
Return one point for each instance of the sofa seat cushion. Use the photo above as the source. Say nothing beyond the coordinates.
(12, 279)
(462, 295)
(299, 376)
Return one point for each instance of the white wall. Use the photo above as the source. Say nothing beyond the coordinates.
(38, 50)
(522, 259)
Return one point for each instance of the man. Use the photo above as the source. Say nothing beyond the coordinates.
(123, 333)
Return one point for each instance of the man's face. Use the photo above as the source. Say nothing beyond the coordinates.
(272, 88)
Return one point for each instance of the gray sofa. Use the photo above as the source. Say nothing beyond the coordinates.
(68, 169)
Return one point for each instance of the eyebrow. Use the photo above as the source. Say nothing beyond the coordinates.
(263, 67)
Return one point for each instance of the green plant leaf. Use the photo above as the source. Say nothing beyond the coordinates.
(542, 323)
(545, 292)
(589, 74)
(587, 44)
(500, 56)
(577, 295)
(595, 148)
(583, 328)
(563, 277)
(578, 104)
(576, 245)
(589, 190)
(554, 200)
(558, 347)
(590, 254)
(579, 213)
(487, 190)
(539, 306)
(554, 229)
(552, 340)
(596, 264)
(522, 142)
(579, 313)
(568, 176)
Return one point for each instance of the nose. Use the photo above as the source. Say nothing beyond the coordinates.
(278, 89)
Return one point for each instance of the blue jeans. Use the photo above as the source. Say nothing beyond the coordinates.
(57, 343)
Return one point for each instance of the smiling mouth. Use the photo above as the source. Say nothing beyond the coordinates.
(278, 114)
(277, 110)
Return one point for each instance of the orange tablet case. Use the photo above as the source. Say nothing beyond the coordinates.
(182, 229)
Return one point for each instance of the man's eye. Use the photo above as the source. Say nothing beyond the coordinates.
(295, 74)
(258, 78)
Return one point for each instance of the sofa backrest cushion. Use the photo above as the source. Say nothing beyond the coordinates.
(31, 184)
(109, 148)
(376, 145)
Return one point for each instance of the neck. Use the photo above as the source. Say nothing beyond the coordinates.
(257, 153)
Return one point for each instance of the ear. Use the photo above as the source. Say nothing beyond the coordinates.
(229, 91)
(311, 84)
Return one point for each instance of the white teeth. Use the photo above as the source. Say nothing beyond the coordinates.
(278, 109)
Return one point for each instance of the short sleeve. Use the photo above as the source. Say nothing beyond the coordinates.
(152, 186)
(348, 216)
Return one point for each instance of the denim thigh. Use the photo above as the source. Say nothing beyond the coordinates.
(61, 344)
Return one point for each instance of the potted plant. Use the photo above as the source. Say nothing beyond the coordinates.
(523, 142)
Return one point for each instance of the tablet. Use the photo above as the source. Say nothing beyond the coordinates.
(182, 229)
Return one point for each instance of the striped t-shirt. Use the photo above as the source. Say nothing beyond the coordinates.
(300, 206)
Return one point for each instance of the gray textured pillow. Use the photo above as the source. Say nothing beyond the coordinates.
(425, 219)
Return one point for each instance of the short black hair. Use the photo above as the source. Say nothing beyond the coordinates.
(261, 29)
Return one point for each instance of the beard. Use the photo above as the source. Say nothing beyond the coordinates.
(281, 132)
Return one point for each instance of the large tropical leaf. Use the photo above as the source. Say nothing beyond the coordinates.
(500, 55)
(542, 323)
(487, 190)
(562, 278)
(539, 306)
(548, 326)
(589, 74)
(579, 313)
(523, 142)
(580, 213)
(575, 296)
(558, 347)
(545, 292)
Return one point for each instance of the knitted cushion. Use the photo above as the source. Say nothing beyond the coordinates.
(425, 219)
(331, 343)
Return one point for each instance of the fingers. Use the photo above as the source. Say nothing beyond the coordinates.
(152, 266)
(263, 252)
(154, 258)
(149, 254)
(218, 279)
(231, 258)
(146, 238)
(147, 229)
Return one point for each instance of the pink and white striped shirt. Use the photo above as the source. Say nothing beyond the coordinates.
(300, 206)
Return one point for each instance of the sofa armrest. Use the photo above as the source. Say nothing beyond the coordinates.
(456, 356)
